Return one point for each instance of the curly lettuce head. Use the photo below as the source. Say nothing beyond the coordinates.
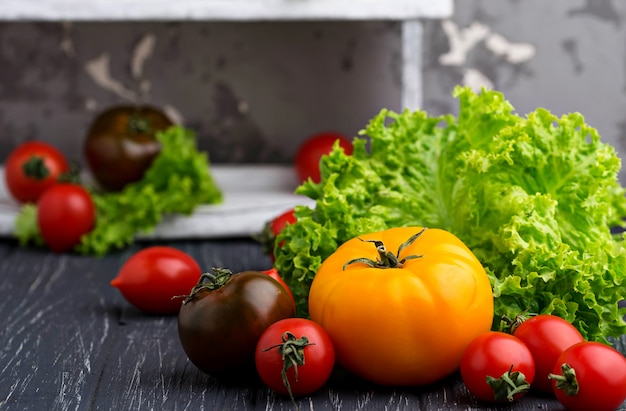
(534, 197)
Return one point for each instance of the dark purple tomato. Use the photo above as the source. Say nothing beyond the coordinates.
(121, 144)
(220, 322)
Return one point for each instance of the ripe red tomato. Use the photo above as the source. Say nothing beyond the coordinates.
(220, 322)
(272, 272)
(31, 168)
(590, 376)
(151, 279)
(295, 357)
(278, 223)
(546, 336)
(65, 212)
(307, 159)
(493, 358)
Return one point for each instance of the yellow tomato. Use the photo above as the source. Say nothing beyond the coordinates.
(407, 324)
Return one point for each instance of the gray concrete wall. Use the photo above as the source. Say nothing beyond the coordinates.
(253, 91)
(250, 90)
(563, 55)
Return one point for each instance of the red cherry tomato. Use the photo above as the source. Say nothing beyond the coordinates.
(492, 358)
(590, 376)
(272, 272)
(272, 228)
(154, 277)
(307, 160)
(309, 357)
(278, 223)
(65, 212)
(31, 168)
(546, 336)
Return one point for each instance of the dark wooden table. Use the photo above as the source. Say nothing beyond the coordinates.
(71, 342)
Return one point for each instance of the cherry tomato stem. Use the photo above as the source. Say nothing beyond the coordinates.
(295, 357)
(291, 349)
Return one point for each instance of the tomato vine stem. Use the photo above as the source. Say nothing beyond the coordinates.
(291, 351)
(512, 324)
(209, 281)
(566, 382)
(508, 385)
(386, 258)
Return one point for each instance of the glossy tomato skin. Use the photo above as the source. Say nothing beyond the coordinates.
(319, 357)
(600, 373)
(429, 309)
(27, 186)
(278, 223)
(154, 279)
(272, 272)
(65, 212)
(120, 144)
(307, 159)
(491, 355)
(219, 329)
(546, 336)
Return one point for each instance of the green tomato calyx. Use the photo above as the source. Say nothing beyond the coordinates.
(566, 382)
(291, 351)
(386, 258)
(139, 124)
(35, 167)
(510, 384)
(210, 282)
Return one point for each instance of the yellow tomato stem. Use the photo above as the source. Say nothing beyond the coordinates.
(386, 258)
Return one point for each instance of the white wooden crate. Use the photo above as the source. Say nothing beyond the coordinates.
(408, 12)
(245, 209)
(223, 10)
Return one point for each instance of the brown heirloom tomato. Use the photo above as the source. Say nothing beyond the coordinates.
(401, 305)
(121, 144)
(220, 322)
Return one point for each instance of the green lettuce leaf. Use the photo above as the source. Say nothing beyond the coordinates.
(177, 182)
(26, 229)
(534, 197)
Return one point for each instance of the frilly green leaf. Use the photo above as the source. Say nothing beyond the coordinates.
(534, 197)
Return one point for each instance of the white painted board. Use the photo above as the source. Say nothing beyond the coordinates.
(253, 195)
(223, 10)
